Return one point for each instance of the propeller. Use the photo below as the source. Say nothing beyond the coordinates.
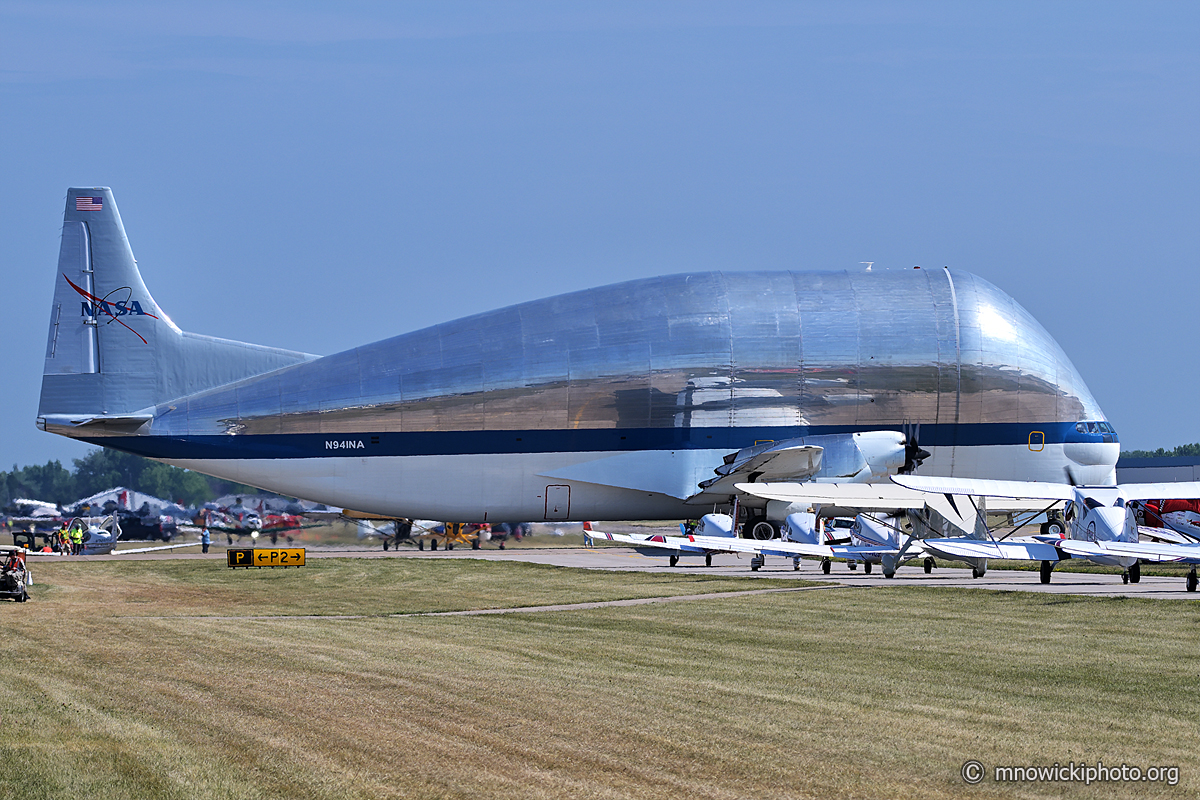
(913, 454)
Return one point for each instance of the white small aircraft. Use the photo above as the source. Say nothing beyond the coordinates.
(1102, 525)
(100, 535)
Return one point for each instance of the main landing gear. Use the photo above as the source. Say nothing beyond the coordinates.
(757, 562)
(1047, 569)
(825, 568)
(708, 559)
(867, 567)
(674, 559)
(1191, 580)
(928, 564)
(1135, 573)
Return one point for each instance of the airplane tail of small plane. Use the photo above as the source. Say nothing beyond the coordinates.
(112, 353)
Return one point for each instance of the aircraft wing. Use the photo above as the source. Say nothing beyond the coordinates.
(1156, 491)
(776, 547)
(976, 548)
(862, 496)
(974, 487)
(789, 459)
(1164, 535)
(152, 549)
(1148, 551)
(677, 543)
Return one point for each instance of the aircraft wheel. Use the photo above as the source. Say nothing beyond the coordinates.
(433, 544)
(1135, 573)
(1191, 581)
(825, 565)
(1054, 527)
(674, 560)
(796, 565)
(928, 564)
(708, 559)
(1047, 569)
(385, 544)
(975, 573)
(754, 567)
(889, 574)
(867, 567)
(474, 544)
(853, 565)
(420, 544)
(1125, 576)
(762, 529)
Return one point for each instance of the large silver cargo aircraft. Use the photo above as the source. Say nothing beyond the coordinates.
(648, 399)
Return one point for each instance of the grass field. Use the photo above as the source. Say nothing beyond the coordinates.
(138, 680)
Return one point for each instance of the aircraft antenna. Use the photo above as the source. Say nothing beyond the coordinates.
(868, 263)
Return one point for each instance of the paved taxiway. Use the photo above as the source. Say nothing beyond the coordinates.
(619, 558)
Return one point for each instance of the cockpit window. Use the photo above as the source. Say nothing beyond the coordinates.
(1081, 427)
(1093, 427)
(1092, 502)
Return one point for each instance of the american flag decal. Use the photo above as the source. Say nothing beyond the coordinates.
(89, 203)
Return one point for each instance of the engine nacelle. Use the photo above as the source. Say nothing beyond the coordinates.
(800, 527)
(715, 525)
(861, 457)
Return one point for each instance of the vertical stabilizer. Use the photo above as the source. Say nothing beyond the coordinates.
(111, 350)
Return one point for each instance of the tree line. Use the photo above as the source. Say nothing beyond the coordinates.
(1180, 451)
(104, 469)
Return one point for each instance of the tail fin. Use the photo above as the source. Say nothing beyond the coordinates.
(112, 353)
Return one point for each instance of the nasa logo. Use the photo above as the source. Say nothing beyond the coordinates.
(117, 309)
(347, 444)
(94, 307)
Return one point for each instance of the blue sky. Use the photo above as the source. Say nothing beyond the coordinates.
(321, 175)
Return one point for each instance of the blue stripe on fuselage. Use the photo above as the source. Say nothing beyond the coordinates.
(427, 443)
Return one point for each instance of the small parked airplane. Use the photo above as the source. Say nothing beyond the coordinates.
(1102, 525)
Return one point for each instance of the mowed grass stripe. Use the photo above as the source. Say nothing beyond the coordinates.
(341, 587)
(808, 694)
